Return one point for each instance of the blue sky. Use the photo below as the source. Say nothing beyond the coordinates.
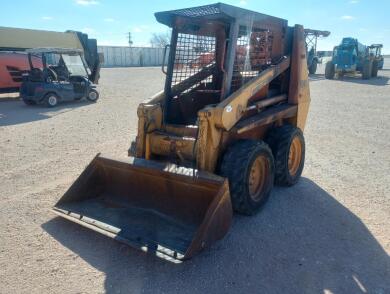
(109, 21)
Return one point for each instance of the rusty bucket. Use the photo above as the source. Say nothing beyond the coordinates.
(167, 210)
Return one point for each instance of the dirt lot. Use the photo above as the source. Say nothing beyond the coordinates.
(328, 234)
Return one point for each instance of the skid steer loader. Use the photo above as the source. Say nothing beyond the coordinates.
(227, 126)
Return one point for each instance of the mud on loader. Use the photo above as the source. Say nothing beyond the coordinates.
(227, 126)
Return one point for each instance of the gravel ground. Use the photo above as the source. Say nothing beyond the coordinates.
(328, 234)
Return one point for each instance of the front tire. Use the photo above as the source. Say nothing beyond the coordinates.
(367, 70)
(249, 166)
(374, 72)
(329, 70)
(51, 100)
(93, 95)
(288, 147)
(313, 67)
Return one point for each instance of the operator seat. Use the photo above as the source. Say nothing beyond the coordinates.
(50, 74)
(36, 75)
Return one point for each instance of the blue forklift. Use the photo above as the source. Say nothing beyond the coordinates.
(352, 57)
(62, 76)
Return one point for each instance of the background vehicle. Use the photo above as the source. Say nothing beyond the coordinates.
(12, 66)
(14, 41)
(62, 77)
(351, 57)
(375, 50)
(311, 37)
(217, 137)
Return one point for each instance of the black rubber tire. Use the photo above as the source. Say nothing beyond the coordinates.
(280, 139)
(48, 101)
(93, 91)
(313, 67)
(374, 71)
(236, 166)
(367, 70)
(329, 70)
(29, 102)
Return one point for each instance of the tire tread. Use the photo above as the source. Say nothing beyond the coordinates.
(234, 166)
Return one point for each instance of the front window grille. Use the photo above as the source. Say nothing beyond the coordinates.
(193, 54)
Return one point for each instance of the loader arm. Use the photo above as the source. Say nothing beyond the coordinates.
(231, 110)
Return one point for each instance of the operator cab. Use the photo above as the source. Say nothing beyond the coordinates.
(63, 76)
(209, 58)
(375, 51)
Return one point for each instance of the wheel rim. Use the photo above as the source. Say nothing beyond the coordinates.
(294, 156)
(52, 100)
(92, 95)
(258, 177)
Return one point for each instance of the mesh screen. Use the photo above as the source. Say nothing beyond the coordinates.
(253, 54)
(193, 53)
(198, 11)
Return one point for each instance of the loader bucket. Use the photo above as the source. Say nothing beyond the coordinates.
(170, 211)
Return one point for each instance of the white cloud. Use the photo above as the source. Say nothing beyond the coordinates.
(347, 17)
(87, 2)
(109, 19)
(137, 30)
(47, 17)
(242, 3)
(353, 2)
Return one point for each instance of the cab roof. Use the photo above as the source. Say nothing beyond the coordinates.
(217, 11)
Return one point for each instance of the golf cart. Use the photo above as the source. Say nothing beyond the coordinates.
(64, 76)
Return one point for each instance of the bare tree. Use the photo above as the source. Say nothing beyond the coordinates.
(160, 39)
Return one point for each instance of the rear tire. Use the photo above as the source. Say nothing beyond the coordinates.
(367, 70)
(288, 147)
(93, 95)
(51, 100)
(329, 70)
(29, 102)
(249, 166)
(313, 67)
(374, 72)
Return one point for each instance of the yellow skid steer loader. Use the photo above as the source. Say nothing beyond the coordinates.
(227, 126)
